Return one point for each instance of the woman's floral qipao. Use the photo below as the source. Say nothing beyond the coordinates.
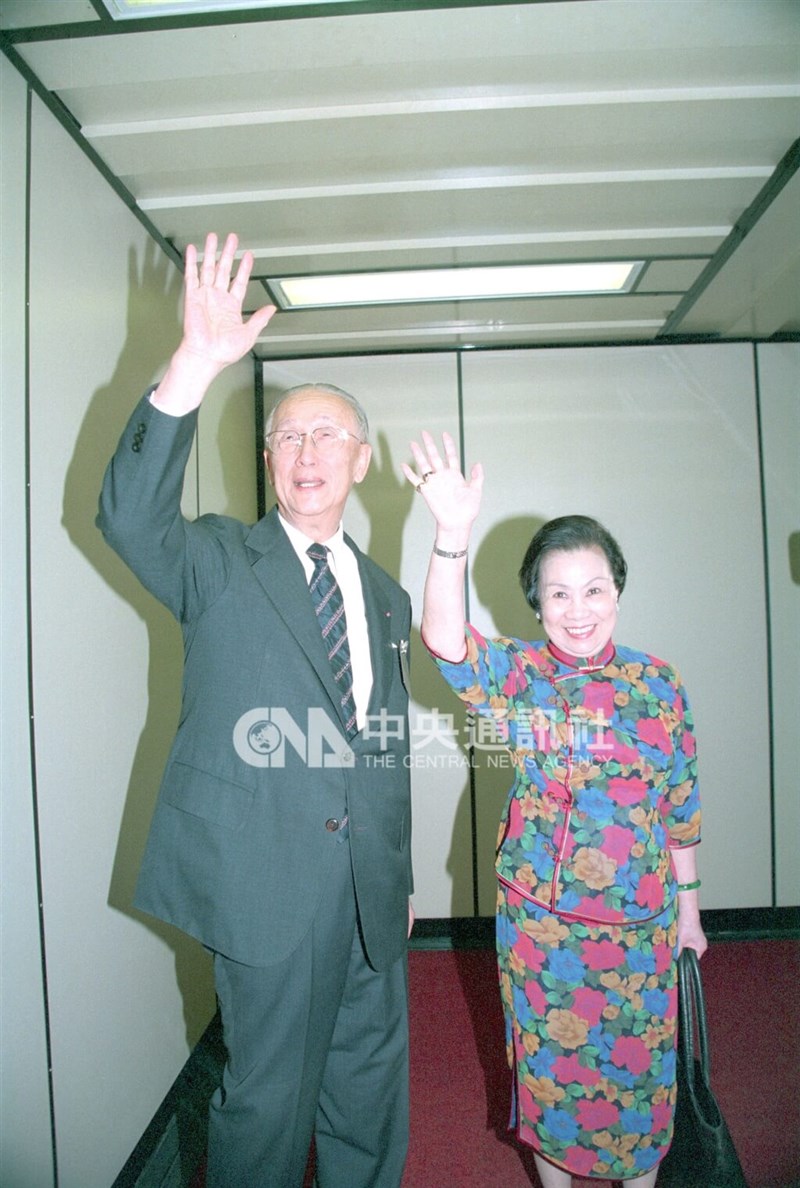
(604, 786)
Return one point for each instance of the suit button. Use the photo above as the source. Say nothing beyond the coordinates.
(331, 824)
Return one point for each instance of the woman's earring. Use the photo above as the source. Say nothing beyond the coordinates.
(538, 617)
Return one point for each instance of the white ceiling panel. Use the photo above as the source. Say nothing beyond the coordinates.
(332, 214)
(414, 137)
(575, 139)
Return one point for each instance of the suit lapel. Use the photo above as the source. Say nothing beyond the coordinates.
(280, 572)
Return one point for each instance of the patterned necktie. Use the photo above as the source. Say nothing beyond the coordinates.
(329, 605)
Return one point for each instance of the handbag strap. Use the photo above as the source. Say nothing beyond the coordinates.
(692, 1013)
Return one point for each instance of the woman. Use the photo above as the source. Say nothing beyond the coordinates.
(596, 857)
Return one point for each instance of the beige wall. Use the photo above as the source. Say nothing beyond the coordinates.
(662, 444)
(127, 998)
(779, 385)
(25, 1147)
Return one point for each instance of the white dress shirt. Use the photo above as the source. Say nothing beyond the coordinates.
(344, 567)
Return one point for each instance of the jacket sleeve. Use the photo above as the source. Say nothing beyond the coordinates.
(183, 563)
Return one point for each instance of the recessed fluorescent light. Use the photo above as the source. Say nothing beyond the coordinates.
(126, 9)
(453, 284)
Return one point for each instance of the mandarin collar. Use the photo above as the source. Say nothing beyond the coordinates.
(582, 663)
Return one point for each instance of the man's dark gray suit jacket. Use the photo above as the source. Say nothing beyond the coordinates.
(241, 839)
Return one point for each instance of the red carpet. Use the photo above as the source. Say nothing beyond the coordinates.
(459, 1076)
(460, 1080)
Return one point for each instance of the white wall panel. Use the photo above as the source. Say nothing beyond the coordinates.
(127, 997)
(779, 388)
(25, 1138)
(660, 444)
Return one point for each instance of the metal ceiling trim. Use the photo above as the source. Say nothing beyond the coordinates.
(285, 356)
(105, 27)
(783, 173)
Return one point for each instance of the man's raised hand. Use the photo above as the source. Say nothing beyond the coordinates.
(213, 326)
(215, 334)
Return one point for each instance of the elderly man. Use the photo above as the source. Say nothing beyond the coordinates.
(281, 837)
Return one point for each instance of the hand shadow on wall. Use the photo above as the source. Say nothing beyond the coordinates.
(387, 498)
(154, 284)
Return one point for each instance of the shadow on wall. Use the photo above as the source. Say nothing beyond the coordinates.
(154, 284)
(233, 452)
(497, 607)
(794, 557)
(387, 499)
(495, 578)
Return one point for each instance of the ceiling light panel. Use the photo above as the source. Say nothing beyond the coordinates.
(129, 9)
(453, 284)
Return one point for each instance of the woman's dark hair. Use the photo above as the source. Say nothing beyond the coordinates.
(566, 534)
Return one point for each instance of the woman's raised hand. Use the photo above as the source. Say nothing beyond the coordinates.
(455, 502)
(213, 326)
(453, 499)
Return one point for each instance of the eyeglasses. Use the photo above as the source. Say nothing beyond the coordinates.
(326, 439)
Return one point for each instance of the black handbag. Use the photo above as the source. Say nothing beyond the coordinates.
(702, 1154)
